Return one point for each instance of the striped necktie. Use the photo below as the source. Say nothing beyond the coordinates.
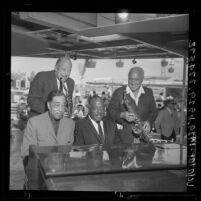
(63, 88)
(61, 85)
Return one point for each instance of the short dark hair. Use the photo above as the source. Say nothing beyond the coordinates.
(54, 93)
(94, 98)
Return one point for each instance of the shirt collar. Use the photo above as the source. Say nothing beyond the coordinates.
(141, 90)
(93, 120)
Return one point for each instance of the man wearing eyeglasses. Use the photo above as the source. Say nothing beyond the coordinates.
(49, 128)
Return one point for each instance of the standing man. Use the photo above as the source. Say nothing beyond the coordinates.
(95, 128)
(47, 81)
(142, 101)
(167, 122)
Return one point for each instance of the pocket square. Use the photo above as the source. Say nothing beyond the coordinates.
(119, 126)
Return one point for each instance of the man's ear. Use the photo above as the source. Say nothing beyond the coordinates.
(56, 67)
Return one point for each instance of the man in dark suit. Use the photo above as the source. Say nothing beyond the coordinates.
(167, 122)
(95, 128)
(142, 101)
(47, 81)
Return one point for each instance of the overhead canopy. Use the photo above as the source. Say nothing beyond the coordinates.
(98, 36)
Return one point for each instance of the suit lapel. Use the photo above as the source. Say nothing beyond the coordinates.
(49, 126)
(53, 80)
(93, 129)
(106, 129)
(141, 103)
(132, 103)
(59, 131)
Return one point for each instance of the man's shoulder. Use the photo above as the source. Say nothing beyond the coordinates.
(68, 121)
(44, 74)
(39, 117)
(70, 80)
(107, 118)
(120, 89)
(82, 122)
(147, 89)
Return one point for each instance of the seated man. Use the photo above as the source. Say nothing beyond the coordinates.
(95, 128)
(49, 128)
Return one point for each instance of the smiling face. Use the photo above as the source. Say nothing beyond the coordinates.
(135, 79)
(96, 109)
(57, 107)
(63, 69)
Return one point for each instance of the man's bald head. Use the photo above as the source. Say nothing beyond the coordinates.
(63, 68)
(137, 70)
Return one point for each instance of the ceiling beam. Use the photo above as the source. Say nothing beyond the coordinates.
(23, 44)
(178, 23)
(158, 44)
(57, 20)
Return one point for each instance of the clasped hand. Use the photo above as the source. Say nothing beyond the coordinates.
(131, 117)
(128, 116)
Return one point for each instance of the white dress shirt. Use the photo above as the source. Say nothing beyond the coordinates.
(96, 125)
(136, 99)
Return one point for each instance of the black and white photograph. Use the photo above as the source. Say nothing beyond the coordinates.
(98, 102)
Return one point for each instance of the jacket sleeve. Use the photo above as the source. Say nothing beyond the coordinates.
(152, 114)
(71, 85)
(71, 141)
(114, 110)
(78, 136)
(35, 96)
(29, 138)
(158, 121)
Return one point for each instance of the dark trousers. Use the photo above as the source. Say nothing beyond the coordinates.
(172, 136)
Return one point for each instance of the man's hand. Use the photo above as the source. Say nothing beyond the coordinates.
(147, 126)
(128, 116)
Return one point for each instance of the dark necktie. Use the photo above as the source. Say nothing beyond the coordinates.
(100, 131)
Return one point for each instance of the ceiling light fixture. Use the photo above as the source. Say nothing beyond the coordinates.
(119, 64)
(89, 63)
(134, 61)
(122, 17)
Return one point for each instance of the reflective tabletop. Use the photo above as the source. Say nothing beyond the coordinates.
(97, 159)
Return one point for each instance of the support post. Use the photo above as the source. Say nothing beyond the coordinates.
(183, 103)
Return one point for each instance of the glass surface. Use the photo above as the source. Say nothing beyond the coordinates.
(71, 160)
